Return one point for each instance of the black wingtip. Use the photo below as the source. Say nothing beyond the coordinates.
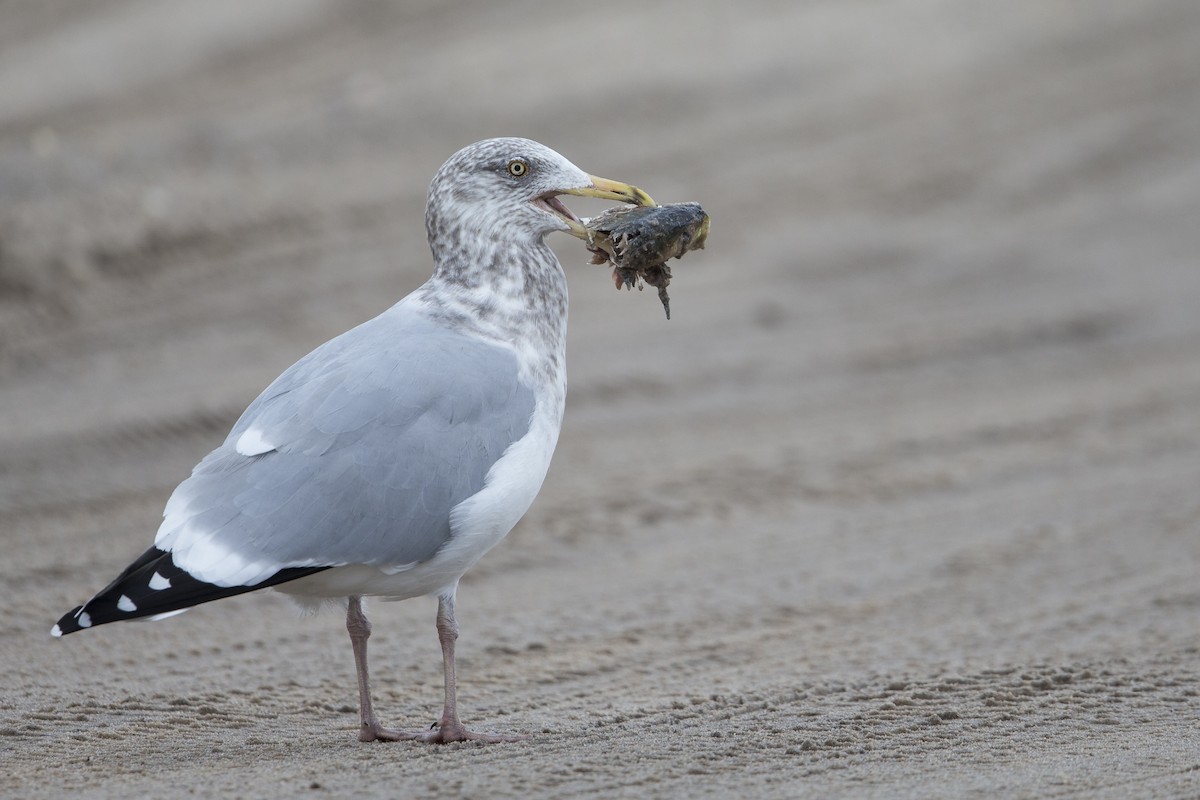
(70, 623)
(152, 586)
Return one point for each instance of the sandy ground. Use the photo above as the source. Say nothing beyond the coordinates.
(903, 502)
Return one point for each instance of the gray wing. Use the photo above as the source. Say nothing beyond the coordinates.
(355, 455)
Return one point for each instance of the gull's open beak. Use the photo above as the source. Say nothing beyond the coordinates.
(613, 190)
(602, 188)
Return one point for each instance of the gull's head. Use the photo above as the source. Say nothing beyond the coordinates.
(510, 188)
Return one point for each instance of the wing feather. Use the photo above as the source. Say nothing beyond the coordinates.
(376, 436)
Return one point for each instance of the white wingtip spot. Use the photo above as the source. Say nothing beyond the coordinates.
(252, 443)
(84, 619)
(56, 631)
(167, 614)
(158, 582)
(125, 604)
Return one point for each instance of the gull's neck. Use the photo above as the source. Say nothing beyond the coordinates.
(511, 292)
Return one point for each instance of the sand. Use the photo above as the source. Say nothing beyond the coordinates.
(904, 501)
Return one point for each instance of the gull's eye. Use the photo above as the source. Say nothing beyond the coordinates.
(518, 168)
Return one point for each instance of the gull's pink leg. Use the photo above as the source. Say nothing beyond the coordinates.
(450, 728)
(360, 630)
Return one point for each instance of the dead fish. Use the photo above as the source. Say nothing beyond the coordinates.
(639, 240)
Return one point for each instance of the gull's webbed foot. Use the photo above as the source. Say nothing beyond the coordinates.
(438, 734)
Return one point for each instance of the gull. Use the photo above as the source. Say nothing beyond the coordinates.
(386, 462)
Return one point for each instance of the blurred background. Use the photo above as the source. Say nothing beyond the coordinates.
(936, 377)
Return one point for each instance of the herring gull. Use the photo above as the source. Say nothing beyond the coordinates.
(390, 459)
